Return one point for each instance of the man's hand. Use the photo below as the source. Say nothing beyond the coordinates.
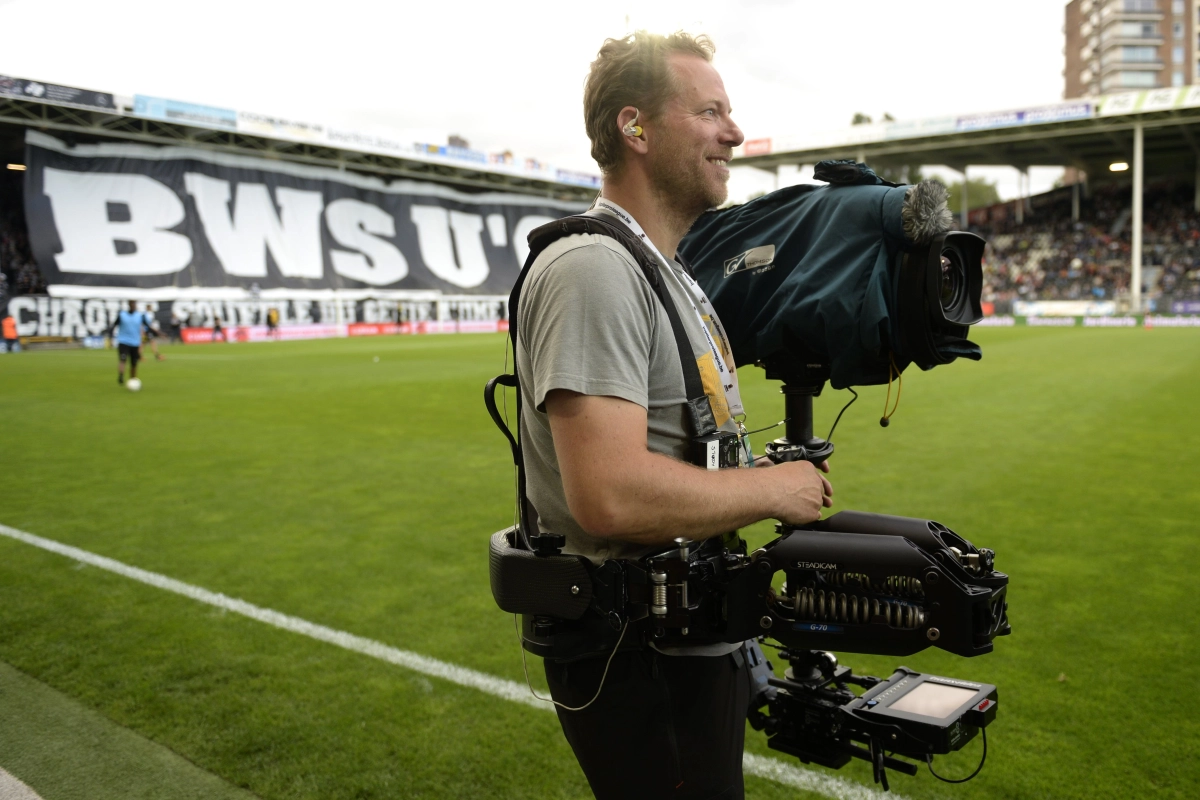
(802, 491)
(616, 487)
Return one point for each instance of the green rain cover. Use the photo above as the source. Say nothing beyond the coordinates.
(813, 264)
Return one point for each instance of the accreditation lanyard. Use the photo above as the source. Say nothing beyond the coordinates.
(710, 323)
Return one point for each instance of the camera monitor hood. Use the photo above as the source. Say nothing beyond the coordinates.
(842, 280)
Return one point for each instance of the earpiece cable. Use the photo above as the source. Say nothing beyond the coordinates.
(600, 688)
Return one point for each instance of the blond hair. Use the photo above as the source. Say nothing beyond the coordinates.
(633, 71)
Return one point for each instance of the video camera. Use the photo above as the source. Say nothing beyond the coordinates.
(849, 284)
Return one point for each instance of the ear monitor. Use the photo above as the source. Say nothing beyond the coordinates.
(631, 128)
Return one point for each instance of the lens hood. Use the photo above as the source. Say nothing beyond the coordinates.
(937, 291)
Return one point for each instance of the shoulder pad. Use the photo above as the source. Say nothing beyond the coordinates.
(543, 236)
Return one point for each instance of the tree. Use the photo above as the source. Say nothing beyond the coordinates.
(980, 194)
(905, 173)
(865, 119)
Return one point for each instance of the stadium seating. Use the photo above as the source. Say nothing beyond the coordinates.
(1050, 257)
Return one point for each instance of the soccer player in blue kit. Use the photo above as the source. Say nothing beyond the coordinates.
(129, 326)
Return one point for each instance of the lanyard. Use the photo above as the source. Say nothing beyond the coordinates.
(710, 323)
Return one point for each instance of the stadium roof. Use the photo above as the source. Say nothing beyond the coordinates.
(1088, 134)
(86, 116)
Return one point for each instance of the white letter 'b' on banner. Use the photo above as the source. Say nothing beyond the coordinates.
(137, 242)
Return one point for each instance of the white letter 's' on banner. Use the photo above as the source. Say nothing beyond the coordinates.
(359, 225)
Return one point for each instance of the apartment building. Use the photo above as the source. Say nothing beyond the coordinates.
(1124, 45)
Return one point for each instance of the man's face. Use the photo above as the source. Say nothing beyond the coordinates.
(693, 140)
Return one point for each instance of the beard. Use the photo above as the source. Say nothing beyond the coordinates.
(685, 190)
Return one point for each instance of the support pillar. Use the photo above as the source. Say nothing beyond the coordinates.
(1075, 201)
(1196, 201)
(966, 220)
(1135, 278)
(1021, 197)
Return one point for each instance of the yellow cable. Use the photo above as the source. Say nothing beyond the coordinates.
(885, 420)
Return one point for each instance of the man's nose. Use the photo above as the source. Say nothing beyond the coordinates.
(732, 135)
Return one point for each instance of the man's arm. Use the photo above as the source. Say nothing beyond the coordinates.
(617, 487)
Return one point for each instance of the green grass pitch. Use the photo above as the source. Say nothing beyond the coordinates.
(310, 478)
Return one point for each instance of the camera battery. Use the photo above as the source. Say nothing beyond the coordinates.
(720, 450)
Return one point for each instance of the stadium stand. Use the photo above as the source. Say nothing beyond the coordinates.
(16, 263)
(1051, 257)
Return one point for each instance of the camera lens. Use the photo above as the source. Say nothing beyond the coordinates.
(954, 281)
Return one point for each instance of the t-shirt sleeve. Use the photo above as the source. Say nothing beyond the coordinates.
(588, 323)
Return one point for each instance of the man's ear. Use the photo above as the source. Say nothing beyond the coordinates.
(629, 123)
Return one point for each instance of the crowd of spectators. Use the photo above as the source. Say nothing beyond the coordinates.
(1051, 257)
(19, 271)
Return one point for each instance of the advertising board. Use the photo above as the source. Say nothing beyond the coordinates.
(55, 94)
(185, 113)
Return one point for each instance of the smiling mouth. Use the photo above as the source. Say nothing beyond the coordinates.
(720, 162)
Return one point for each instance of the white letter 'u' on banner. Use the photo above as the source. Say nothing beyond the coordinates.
(434, 226)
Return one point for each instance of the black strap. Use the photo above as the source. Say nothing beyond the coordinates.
(699, 410)
(700, 414)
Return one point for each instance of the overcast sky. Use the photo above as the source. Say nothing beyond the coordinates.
(509, 75)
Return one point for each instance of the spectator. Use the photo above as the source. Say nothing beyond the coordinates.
(8, 326)
(1049, 257)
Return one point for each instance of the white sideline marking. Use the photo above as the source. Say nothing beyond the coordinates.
(11, 788)
(759, 766)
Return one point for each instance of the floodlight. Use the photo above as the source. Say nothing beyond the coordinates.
(1118, 166)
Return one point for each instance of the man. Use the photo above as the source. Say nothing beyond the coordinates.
(11, 342)
(176, 328)
(129, 326)
(152, 333)
(273, 322)
(603, 426)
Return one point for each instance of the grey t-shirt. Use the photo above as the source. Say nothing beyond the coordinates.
(589, 322)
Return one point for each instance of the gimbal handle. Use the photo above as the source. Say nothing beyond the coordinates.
(798, 442)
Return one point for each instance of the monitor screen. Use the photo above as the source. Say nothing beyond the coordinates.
(931, 699)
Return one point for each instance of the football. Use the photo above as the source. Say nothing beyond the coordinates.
(134, 384)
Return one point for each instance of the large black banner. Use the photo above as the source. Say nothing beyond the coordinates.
(134, 216)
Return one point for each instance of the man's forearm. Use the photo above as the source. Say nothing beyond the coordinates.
(658, 498)
(616, 487)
